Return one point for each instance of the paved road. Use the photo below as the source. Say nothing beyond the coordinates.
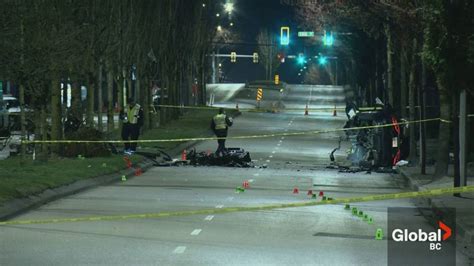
(324, 235)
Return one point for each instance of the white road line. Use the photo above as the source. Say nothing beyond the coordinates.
(256, 174)
(281, 141)
(282, 138)
(267, 161)
(251, 180)
(179, 250)
(230, 198)
(278, 144)
(196, 232)
(271, 156)
(219, 206)
(273, 152)
(209, 218)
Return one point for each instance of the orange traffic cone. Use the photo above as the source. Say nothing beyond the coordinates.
(306, 112)
(296, 191)
(335, 111)
(183, 155)
(246, 184)
(128, 163)
(310, 193)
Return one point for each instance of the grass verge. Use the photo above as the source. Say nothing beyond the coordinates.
(20, 180)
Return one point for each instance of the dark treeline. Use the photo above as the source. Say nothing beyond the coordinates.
(114, 48)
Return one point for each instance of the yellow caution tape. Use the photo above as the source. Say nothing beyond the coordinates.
(432, 192)
(283, 134)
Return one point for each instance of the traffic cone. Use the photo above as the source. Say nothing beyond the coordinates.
(379, 234)
(183, 155)
(124, 178)
(335, 111)
(370, 221)
(246, 184)
(296, 191)
(366, 218)
(347, 207)
(306, 112)
(321, 193)
(360, 214)
(237, 107)
(310, 193)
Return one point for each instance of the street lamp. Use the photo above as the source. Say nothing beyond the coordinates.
(229, 7)
(219, 28)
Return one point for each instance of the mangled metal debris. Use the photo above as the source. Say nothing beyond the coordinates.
(235, 157)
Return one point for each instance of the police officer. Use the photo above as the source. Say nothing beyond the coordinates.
(220, 124)
(132, 117)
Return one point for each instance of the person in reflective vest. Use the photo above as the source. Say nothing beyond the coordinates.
(220, 125)
(132, 118)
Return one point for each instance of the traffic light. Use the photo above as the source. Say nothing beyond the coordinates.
(301, 59)
(277, 79)
(322, 60)
(255, 58)
(285, 36)
(328, 39)
(233, 57)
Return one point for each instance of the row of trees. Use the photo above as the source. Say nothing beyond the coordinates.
(399, 49)
(115, 48)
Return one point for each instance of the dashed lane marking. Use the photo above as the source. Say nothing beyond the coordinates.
(251, 180)
(196, 232)
(267, 161)
(209, 218)
(271, 156)
(273, 152)
(179, 250)
(256, 174)
(219, 206)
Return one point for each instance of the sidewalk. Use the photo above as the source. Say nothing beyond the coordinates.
(464, 205)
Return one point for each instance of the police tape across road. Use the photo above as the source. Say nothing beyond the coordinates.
(404, 195)
(282, 134)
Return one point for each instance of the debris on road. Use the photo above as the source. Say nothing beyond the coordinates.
(235, 157)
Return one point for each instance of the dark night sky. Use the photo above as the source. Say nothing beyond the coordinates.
(250, 17)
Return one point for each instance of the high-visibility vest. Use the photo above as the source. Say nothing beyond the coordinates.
(219, 121)
(131, 115)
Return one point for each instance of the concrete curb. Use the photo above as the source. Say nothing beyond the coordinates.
(462, 229)
(18, 206)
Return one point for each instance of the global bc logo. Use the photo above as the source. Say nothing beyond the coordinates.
(434, 238)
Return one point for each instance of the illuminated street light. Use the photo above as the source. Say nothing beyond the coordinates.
(219, 28)
(203, 5)
(231, 24)
(218, 15)
(229, 7)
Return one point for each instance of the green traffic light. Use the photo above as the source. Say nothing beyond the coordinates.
(322, 60)
(301, 60)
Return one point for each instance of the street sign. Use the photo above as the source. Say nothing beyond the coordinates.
(259, 94)
(305, 33)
